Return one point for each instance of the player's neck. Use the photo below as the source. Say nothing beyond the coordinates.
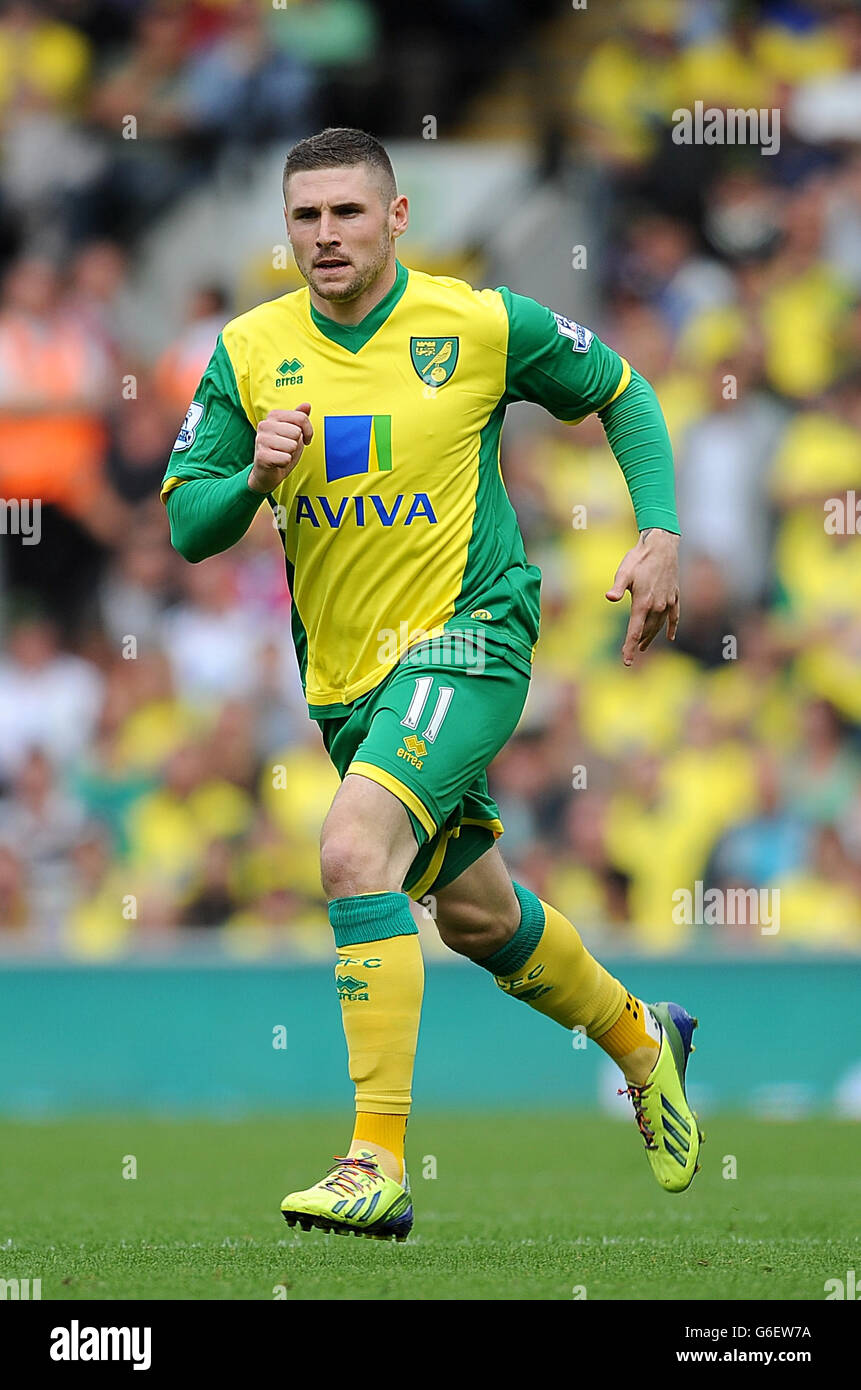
(352, 311)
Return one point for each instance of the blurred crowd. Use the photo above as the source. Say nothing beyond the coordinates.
(110, 110)
(157, 765)
(732, 281)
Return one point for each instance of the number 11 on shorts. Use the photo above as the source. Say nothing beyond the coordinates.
(445, 695)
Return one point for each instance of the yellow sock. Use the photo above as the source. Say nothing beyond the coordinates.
(381, 1132)
(380, 981)
(547, 966)
(634, 1040)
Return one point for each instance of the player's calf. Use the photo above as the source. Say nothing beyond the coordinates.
(544, 964)
(479, 912)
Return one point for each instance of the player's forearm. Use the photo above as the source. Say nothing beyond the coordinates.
(208, 515)
(637, 433)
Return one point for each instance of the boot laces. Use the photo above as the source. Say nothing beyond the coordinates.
(636, 1094)
(341, 1177)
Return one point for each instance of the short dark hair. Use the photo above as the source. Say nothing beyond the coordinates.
(339, 147)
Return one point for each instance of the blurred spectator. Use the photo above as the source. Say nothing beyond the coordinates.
(44, 65)
(139, 109)
(48, 699)
(107, 787)
(821, 780)
(662, 266)
(827, 107)
(709, 626)
(243, 89)
(136, 586)
(181, 366)
(97, 283)
(50, 366)
(152, 720)
(766, 848)
(823, 891)
(41, 60)
(326, 33)
(103, 911)
(211, 901)
(142, 432)
(15, 913)
(213, 642)
(724, 463)
(55, 379)
(170, 827)
(518, 776)
(742, 214)
(40, 822)
(843, 221)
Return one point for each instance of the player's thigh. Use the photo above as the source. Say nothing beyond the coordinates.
(367, 841)
(434, 731)
(480, 901)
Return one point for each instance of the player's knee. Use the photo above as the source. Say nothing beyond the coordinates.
(349, 865)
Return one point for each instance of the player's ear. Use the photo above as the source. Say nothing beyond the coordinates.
(399, 215)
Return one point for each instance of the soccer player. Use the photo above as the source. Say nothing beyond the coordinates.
(366, 409)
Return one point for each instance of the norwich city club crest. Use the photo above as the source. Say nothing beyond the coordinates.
(434, 359)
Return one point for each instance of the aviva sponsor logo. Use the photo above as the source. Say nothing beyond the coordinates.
(288, 374)
(357, 444)
(320, 511)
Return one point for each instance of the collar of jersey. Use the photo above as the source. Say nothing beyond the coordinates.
(353, 336)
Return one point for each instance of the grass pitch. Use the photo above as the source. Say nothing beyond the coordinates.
(523, 1206)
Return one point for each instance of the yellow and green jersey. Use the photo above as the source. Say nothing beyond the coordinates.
(396, 524)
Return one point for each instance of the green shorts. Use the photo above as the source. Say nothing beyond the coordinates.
(428, 733)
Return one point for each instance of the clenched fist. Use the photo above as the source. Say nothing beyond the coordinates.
(281, 437)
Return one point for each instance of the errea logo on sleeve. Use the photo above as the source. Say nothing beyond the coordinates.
(581, 337)
(193, 417)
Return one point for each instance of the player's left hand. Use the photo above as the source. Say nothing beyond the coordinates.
(651, 571)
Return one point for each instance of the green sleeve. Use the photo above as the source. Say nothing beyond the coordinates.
(208, 515)
(209, 503)
(562, 366)
(555, 362)
(637, 433)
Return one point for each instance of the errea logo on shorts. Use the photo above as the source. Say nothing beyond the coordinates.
(414, 750)
(193, 417)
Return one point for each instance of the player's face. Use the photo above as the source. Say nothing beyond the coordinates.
(341, 228)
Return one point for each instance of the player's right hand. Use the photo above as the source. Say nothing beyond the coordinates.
(281, 437)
